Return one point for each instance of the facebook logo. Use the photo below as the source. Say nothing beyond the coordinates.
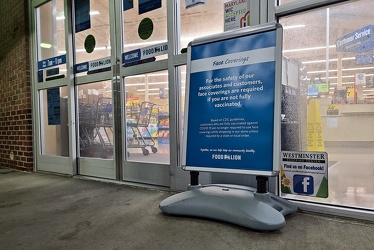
(303, 184)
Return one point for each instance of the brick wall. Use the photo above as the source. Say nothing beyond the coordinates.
(15, 90)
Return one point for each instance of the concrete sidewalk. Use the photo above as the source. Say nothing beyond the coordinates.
(41, 211)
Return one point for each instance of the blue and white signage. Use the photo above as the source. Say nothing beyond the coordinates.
(51, 62)
(351, 42)
(99, 64)
(233, 110)
(81, 67)
(144, 53)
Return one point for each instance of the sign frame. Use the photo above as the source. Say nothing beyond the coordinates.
(277, 32)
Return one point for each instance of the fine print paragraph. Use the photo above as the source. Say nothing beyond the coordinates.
(229, 128)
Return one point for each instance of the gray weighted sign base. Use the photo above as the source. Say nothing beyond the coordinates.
(235, 204)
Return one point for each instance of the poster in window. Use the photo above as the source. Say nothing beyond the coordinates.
(53, 103)
(82, 15)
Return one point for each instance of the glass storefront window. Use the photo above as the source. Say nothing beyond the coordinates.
(54, 128)
(144, 25)
(95, 115)
(201, 20)
(147, 117)
(335, 72)
(92, 42)
(51, 40)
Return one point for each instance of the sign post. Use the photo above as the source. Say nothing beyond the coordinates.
(232, 125)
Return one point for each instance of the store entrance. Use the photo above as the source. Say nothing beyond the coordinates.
(122, 109)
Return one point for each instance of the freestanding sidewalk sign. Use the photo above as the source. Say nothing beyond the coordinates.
(232, 125)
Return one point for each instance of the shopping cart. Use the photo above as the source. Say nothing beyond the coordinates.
(96, 128)
(138, 120)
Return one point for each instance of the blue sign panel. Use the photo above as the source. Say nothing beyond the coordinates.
(148, 5)
(303, 184)
(131, 56)
(51, 62)
(82, 15)
(53, 100)
(231, 104)
(128, 4)
(363, 47)
(349, 42)
(81, 67)
(364, 59)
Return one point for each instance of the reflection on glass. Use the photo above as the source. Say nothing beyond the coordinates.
(182, 77)
(95, 120)
(54, 128)
(336, 76)
(147, 118)
(51, 36)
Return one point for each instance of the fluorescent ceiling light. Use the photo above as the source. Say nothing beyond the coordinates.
(158, 74)
(144, 43)
(45, 45)
(307, 49)
(321, 71)
(330, 60)
(363, 68)
(143, 90)
(143, 84)
(83, 50)
(134, 84)
(96, 49)
(294, 26)
(335, 77)
(335, 70)
(156, 83)
(134, 76)
(157, 89)
(92, 13)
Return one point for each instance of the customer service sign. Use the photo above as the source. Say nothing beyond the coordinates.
(233, 103)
